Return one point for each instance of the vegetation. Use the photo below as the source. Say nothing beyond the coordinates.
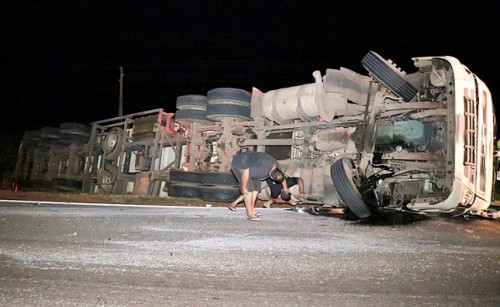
(8, 156)
(98, 198)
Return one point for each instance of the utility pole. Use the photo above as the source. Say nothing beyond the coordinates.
(120, 105)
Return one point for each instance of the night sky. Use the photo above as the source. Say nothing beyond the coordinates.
(61, 58)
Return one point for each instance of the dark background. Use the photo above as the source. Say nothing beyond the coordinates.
(61, 58)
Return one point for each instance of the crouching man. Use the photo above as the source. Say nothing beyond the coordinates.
(251, 169)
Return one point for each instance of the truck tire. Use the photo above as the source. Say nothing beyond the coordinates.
(183, 190)
(226, 95)
(31, 138)
(217, 112)
(192, 102)
(219, 193)
(50, 133)
(388, 75)
(106, 178)
(74, 139)
(183, 176)
(112, 144)
(31, 135)
(190, 115)
(75, 129)
(342, 176)
(225, 178)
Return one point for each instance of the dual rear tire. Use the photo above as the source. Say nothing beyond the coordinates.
(208, 186)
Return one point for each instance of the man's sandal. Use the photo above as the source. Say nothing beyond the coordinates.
(253, 218)
(232, 207)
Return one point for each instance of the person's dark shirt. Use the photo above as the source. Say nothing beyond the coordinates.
(258, 163)
(276, 187)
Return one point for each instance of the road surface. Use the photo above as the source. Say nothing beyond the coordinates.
(73, 255)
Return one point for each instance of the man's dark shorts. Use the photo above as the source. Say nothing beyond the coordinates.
(253, 184)
(276, 187)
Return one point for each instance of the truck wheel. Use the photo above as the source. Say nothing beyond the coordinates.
(193, 102)
(112, 144)
(31, 139)
(388, 75)
(183, 176)
(190, 115)
(50, 132)
(225, 95)
(50, 141)
(219, 193)
(106, 178)
(75, 129)
(74, 139)
(219, 111)
(226, 178)
(31, 136)
(183, 191)
(342, 176)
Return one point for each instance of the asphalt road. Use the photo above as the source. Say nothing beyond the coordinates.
(190, 256)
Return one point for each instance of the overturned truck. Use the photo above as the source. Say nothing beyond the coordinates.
(421, 141)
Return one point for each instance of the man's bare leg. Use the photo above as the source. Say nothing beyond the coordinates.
(268, 203)
(250, 198)
(280, 201)
(254, 200)
(235, 203)
(247, 198)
